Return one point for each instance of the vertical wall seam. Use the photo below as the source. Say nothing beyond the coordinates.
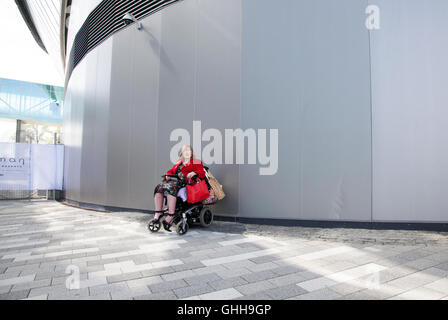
(369, 33)
(131, 117)
(157, 106)
(238, 213)
(196, 67)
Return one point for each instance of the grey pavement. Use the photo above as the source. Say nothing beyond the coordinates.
(49, 250)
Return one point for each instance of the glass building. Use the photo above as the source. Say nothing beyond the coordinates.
(35, 109)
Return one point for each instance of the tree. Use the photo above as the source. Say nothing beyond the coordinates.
(43, 134)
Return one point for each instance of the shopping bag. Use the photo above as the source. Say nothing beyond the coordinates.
(197, 192)
(212, 198)
(216, 186)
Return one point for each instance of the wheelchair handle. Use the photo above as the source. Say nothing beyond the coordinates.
(170, 176)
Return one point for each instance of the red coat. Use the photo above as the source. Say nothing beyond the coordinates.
(194, 165)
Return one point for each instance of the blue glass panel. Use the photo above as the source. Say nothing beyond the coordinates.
(30, 101)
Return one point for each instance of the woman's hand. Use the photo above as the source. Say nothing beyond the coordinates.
(191, 174)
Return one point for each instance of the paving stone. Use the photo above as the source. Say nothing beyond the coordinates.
(255, 287)
(412, 281)
(108, 288)
(16, 280)
(346, 288)
(239, 264)
(262, 267)
(256, 296)
(104, 296)
(31, 285)
(420, 294)
(81, 294)
(193, 290)
(9, 275)
(158, 271)
(281, 293)
(443, 266)
(291, 278)
(16, 295)
(316, 284)
(440, 285)
(421, 264)
(94, 268)
(129, 294)
(285, 270)
(360, 295)
(101, 262)
(167, 285)
(124, 277)
(59, 280)
(41, 297)
(264, 259)
(227, 283)
(259, 276)
(60, 293)
(178, 275)
(202, 279)
(56, 289)
(145, 281)
(414, 254)
(221, 271)
(49, 275)
(188, 266)
(382, 292)
(167, 295)
(226, 294)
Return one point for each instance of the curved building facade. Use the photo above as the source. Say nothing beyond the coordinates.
(355, 90)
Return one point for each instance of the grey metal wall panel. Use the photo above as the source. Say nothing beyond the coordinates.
(177, 78)
(336, 149)
(218, 83)
(120, 110)
(409, 72)
(145, 102)
(73, 111)
(88, 174)
(270, 100)
(96, 120)
(306, 72)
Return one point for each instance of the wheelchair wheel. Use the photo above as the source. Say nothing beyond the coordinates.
(206, 217)
(180, 229)
(154, 225)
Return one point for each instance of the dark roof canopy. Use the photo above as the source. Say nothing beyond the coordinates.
(24, 10)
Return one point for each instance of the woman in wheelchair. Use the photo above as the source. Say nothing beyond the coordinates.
(176, 178)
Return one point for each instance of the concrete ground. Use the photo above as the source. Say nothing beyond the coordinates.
(52, 251)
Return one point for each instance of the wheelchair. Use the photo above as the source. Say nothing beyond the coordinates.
(185, 215)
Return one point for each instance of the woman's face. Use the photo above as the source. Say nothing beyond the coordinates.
(187, 154)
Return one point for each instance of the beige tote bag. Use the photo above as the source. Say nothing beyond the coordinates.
(216, 186)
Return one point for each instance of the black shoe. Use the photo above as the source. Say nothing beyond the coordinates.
(155, 212)
(166, 226)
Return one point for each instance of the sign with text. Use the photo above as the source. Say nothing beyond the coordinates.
(31, 166)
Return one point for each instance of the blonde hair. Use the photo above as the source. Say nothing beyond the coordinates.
(181, 152)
